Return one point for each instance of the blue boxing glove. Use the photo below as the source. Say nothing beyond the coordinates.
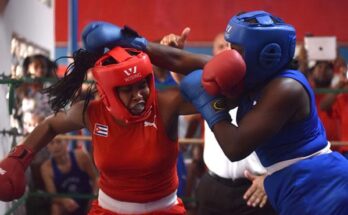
(212, 108)
(97, 36)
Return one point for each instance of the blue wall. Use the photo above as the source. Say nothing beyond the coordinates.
(343, 51)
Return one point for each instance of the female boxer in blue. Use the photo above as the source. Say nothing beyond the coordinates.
(277, 116)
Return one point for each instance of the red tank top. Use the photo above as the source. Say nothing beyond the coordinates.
(330, 119)
(136, 162)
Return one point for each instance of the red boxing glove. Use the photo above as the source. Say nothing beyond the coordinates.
(224, 74)
(12, 168)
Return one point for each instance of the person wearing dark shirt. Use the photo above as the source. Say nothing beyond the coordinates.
(68, 173)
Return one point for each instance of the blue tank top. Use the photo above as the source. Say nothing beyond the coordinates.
(74, 181)
(167, 83)
(295, 139)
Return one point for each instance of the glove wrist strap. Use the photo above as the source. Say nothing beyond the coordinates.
(22, 153)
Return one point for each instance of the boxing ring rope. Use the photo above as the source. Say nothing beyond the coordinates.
(183, 141)
(88, 138)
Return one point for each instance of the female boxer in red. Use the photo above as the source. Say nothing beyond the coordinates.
(134, 134)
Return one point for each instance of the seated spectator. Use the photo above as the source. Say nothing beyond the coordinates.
(193, 128)
(302, 60)
(321, 76)
(35, 204)
(28, 95)
(31, 108)
(339, 68)
(38, 66)
(332, 106)
(69, 173)
(340, 102)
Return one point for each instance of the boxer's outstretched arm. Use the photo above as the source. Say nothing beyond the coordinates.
(97, 36)
(175, 59)
(13, 166)
(60, 123)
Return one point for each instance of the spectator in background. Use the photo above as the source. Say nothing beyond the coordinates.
(219, 44)
(38, 66)
(31, 120)
(338, 102)
(35, 205)
(68, 172)
(302, 60)
(32, 108)
(321, 76)
(339, 68)
(194, 153)
(28, 95)
(342, 104)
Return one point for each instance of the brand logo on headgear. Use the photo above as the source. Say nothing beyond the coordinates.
(130, 71)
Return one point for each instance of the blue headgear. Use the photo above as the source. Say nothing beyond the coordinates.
(268, 44)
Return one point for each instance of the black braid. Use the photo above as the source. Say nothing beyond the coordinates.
(67, 89)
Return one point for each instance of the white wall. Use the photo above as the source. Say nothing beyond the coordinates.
(34, 22)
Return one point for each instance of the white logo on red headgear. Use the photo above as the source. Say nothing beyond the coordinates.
(130, 71)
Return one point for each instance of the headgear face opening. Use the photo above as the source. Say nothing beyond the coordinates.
(130, 67)
(267, 41)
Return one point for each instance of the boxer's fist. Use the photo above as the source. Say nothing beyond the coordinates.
(12, 168)
(224, 74)
(97, 36)
(212, 108)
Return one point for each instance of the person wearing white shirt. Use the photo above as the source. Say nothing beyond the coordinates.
(231, 187)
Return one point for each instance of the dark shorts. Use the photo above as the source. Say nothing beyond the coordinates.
(218, 196)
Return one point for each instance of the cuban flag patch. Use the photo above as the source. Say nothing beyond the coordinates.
(101, 130)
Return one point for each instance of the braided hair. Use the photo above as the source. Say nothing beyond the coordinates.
(67, 90)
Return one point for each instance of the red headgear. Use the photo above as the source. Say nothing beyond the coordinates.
(131, 66)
